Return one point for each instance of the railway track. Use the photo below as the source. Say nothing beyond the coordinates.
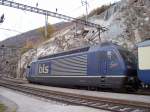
(94, 102)
(13, 80)
(139, 92)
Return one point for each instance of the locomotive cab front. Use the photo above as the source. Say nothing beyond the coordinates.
(130, 63)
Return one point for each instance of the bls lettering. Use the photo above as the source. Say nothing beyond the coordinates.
(43, 68)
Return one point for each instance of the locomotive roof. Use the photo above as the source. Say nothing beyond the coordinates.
(66, 52)
(144, 44)
(85, 49)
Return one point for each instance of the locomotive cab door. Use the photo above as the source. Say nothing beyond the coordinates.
(103, 68)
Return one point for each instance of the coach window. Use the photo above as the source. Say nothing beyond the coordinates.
(144, 56)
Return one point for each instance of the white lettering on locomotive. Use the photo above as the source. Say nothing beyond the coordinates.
(43, 69)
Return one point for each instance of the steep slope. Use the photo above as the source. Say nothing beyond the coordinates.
(20, 40)
(33, 35)
(128, 22)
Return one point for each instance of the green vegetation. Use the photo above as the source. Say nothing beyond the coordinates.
(29, 45)
(99, 10)
(14, 110)
(50, 31)
(2, 107)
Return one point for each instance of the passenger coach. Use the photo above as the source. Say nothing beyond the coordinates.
(144, 62)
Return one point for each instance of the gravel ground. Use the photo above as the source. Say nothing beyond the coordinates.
(121, 96)
(26, 103)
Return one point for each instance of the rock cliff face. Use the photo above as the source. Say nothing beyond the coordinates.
(128, 23)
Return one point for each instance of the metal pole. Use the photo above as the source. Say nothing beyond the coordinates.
(20, 66)
(86, 6)
(46, 25)
(99, 35)
(75, 30)
(86, 10)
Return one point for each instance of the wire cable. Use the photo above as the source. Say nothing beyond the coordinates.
(10, 30)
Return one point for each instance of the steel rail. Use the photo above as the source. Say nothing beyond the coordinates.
(94, 102)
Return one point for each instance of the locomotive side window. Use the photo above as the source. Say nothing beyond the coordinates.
(113, 62)
(109, 54)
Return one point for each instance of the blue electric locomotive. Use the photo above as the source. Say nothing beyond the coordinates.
(106, 66)
(144, 62)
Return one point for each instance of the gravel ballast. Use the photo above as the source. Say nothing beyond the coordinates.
(27, 103)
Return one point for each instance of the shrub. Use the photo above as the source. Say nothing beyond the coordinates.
(28, 46)
(50, 31)
(99, 10)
